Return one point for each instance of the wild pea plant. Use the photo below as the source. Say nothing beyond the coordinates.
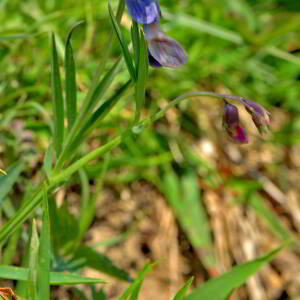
(48, 256)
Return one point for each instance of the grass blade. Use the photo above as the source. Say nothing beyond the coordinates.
(134, 289)
(70, 70)
(219, 288)
(142, 76)
(124, 47)
(56, 278)
(94, 98)
(269, 217)
(99, 114)
(48, 160)
(181, 293)
(100, 262)
(43, 291)
(135, 37)
(58, 104)
(7, 181)
(184, 196)
(33, 263)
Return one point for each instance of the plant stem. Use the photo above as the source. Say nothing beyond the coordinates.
(61, 175)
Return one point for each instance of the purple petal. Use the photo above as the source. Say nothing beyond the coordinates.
(153, 62)
(231, 114)
(232, 125)
(165, 50)
(144, 11)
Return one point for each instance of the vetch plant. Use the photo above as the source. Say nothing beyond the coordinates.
(150, 45)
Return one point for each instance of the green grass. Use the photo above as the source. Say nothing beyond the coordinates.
(93, 73)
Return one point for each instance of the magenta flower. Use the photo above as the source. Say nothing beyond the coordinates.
(144, 11)
(231, 123)
(260, 116)
(163, 50)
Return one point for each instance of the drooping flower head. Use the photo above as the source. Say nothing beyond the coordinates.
(144, 11)
(163, 50)
(259, 115)
(232, 125)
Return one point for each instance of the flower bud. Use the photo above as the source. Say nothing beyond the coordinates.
(259, 115)
(231, 123)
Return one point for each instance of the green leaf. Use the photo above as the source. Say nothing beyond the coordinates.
(64, 226)
(185, 199)
(124, 47)
(7, 181)
(142, 76)
(91, 102)
(43, 291)
(135, 37)
(48, 160)
(33, 263)
(56, 278)
(100, 262)
(15, 37)
(99, 114)
(134, 289)
(70, 70)
(181, 293)
(219, 288)
(98, 295)
(58, 103)
(269, 217)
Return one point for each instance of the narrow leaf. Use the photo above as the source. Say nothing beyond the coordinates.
(195, 223)
(100, 262)
(70, 70)
(142, 76)
(56, 278)
(134, 289)
(135, 37)
(124, 47)
(7, 181)
(43, 292)
(99, 114)
(269, 217)
(90, 103)
(182, 292)
(33, 263)
(219, 288)
(58, 104)
(48, 160)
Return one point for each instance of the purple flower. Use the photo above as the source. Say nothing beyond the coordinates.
(163, 50)
(259, 115)
(232, 125)
(144, 11)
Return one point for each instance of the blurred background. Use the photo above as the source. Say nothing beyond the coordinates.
(179, 192)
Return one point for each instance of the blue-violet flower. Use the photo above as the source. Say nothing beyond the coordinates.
(144, 11)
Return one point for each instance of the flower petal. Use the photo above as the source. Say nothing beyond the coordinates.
(144, 11)
(231, 123)
(167, 52)
(153, 62)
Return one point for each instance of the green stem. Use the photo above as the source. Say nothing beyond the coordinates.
(61, 175)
